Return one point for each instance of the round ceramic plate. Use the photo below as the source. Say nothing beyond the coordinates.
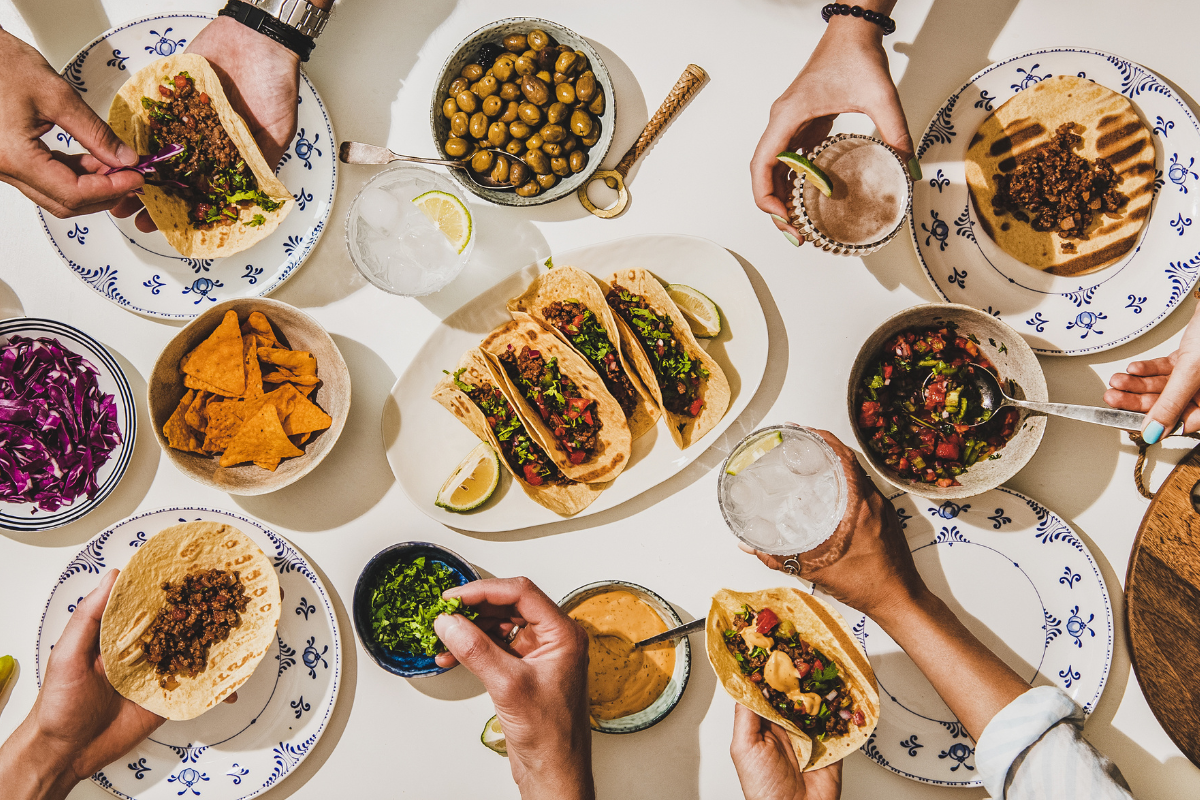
(1062, 315)
(110, 380)
(140, 271)
(1054, 625)
(233, 751)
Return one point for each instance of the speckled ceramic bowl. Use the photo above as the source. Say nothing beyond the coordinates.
(1012, 357)
(666, 702)
(465, 53)
(404, 664)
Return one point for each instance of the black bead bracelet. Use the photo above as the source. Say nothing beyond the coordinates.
(882, 20)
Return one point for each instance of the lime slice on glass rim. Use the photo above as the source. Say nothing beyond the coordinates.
(802, 164)
(449, 215)
(753, 451)
(473, 481)
(701, 312)
(493, 738)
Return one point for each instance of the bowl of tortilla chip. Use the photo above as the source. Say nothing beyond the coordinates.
(249, 397)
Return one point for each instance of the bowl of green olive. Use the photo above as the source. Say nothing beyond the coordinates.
(535, 90)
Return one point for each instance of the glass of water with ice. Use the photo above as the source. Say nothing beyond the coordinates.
(393, 243)
(782, 490)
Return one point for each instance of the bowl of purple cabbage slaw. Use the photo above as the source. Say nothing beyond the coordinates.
(67, 424)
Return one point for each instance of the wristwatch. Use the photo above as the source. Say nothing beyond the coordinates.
(292, 23)
(299, 14)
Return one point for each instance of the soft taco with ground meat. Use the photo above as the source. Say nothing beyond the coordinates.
(189, 618)
(790, 658)
(473, 394)
(568, 301)
(689, 387)
(561, 400)
(217, 196)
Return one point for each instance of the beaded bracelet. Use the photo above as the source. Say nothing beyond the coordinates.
(882, 20)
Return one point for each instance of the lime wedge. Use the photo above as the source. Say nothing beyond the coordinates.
(493, 738)
(753, 452)
(472, 482)
(814, 173)
(449, 215)
(701, 312)
(6, 670)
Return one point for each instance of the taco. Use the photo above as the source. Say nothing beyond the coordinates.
(790, 658)
(180, 665)
(217, 196)
(689, 387)
(1062, 175)
(569, 303)
(473, 395)
(561, 400)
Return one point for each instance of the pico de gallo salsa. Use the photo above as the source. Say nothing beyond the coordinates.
(217, 180)
(917, 410)
(574, 420)
(523, 454)
(678, 374)
(579, 324)
(798, 680)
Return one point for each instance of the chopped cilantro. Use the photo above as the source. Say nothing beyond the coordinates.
(407, 598)
(259, 219)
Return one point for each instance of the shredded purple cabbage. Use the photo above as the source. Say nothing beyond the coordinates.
(57, 429)
(145, 167)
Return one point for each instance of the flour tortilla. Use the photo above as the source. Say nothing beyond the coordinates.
(614, 442)
(570, 283)
(715, 391)
(820, 626)
(566, 499)
(130, 121)
(137, 597)
(1111, 129)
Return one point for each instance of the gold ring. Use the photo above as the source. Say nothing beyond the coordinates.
(791, 566)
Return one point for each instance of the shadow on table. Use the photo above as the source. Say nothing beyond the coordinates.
(130, 492)
(355, 475)
(62, 27)
(764, 398)
(10, 304)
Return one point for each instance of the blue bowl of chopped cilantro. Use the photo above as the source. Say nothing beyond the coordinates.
(396, 600)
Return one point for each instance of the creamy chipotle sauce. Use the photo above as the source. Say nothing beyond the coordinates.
(622, 680)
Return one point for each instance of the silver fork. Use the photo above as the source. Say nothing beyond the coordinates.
(362, 153)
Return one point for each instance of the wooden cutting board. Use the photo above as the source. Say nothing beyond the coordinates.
(1162, 607)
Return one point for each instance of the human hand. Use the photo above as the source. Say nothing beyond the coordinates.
(1167, 389)
(260, 77)
(33, 99)
(767, 767)
(848, 71)
(866, 563)
(538, 681)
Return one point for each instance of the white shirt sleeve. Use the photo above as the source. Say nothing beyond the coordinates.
(1034, 750)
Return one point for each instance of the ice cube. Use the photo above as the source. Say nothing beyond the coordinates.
(760, 532)
(802, 456)
(774, 474)
(380, 210)
(743, 495)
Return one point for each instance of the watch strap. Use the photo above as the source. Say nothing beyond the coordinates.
(259, 20)
(299, 14)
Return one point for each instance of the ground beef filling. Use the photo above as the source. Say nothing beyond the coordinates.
(200, 611)
(590, 339)
(1053, 188)
(574, 420)
(523, 454)
(678, 375)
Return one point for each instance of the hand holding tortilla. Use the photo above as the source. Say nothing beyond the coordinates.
(766, 763)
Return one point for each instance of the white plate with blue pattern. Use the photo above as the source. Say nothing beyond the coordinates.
(1024, 583)
(1062, 315)
(140, 271)
(234, 751)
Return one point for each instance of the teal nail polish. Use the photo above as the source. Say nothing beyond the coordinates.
(794, 241)
(914, 168)
(1153, 432)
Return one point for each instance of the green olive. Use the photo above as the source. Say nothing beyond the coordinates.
(467, 101)
(554, 133)
(545, 59)
(456, 147)
(591, 138)
(581, 122)
(558, 113)
(449, 108)
(566, 62)
(551, 149)
(478, 126)
(516, 42)
(570, 143)
(565, 93)
(509, 91)
(547, 181)
(492, 105)
(459, 123)
(544, 76)
(472, 72)
(535, 90)
(497, 134)
(529, 189)
(578, 161)
(515, 147)
(503, 68)
(525, 66)
(483, 160)
(510, 111)
(538, 39)
(500, 171)
(560, 166)
(597, 104)
(519, 129)
(530, 54)
(581, 63)
(459, 85)
(538, 161)
(560, 78)
(519, 173)
(488, 86)
(585, 87)
(535, 142)
(530, 114)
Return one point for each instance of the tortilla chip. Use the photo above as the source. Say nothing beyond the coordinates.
(305, 416)
(304, 438)
(260, 439)
(196, 417)
(258, 324)
(283, 376)
(254, 382)
(224, 420)
(218, 359)
(270, 464)
(199, 385)
(179, 434)
(297, 362)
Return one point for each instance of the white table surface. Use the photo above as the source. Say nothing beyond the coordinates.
(375, 67)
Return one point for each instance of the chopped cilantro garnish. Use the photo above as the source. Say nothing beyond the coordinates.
(259, 219)
(407, 599)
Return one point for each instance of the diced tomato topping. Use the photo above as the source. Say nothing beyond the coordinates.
(165, 92)
(560, 431)
(903, 349)
(572, 413)
(578, 403)
(587, 417)
(868, 416)
(935, 393)
(766, 621)
(204, 98)
(491, 421)
(802, 668)
(531, 475)
(181, 82)
(818, 665)
(948, 450)
(694, 408)
(858, 718)
(577, 457)
(945, 482)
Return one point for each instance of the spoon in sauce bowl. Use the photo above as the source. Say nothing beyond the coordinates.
(673, 633)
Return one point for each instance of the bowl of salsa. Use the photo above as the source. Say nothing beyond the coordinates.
(916, 410)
